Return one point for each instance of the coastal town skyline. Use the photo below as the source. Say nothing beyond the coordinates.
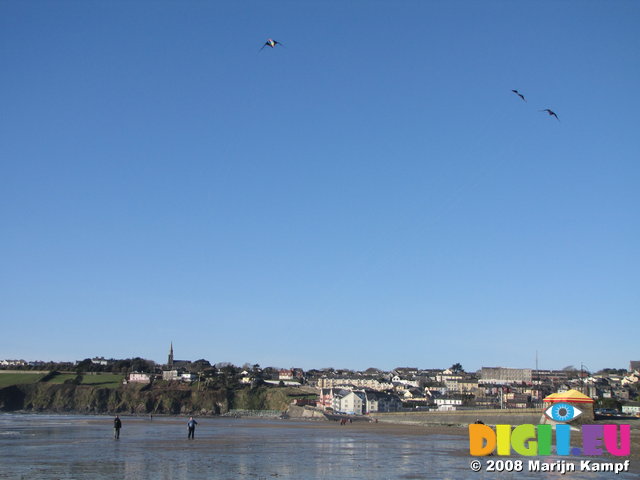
(320, 390)
(387, 186)
(169, 359)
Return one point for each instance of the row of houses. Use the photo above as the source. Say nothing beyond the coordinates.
(353, 401)
(167, 375)
(13, 363)
(491, 387)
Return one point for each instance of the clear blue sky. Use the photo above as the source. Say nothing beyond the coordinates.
(370, 194)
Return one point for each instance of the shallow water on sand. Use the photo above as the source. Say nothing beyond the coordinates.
(82, 447)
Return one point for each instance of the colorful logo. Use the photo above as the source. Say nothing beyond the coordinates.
(562, 412)
(530, 440)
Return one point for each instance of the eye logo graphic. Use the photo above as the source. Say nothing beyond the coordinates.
(562, 412)
(532, 440)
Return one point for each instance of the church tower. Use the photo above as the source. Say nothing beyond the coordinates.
(170, 359)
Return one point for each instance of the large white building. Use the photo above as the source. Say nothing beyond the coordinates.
(448, 404)
(631, 408)
(501, 375)
(358, 402)
(349, 401)
(371, 383)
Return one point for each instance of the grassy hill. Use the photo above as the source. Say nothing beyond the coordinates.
(105, 393)
(8, 379)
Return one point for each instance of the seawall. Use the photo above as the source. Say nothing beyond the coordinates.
(463, 417)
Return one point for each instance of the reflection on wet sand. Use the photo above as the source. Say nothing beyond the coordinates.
(71, 447)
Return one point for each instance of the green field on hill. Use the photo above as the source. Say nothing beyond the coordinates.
(8, 379)
(61, 378)
(106, 380)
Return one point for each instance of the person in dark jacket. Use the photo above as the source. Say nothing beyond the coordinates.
(191, 425)
(117, 425)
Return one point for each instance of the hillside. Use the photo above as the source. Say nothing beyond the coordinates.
(162, 398)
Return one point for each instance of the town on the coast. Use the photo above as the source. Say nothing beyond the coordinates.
(136, 385)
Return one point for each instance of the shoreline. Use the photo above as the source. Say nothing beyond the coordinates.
(359, 427)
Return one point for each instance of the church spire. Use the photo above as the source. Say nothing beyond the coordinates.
(170, 360)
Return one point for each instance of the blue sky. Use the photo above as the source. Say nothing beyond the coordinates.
(370, 194)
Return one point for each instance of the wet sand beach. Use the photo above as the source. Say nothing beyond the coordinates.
(460, 432)
(71, 447)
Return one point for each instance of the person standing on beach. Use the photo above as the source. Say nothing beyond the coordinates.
(117, 425)
(191, 425)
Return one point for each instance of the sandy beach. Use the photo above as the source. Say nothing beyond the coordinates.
(72, 446)
(361, 427)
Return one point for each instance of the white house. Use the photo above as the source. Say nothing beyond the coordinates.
(245, 377)
(401, 385)
(170, 375)
(631, 408)
(286, 383)
(448, 404)
(448, 375)
(348, 401)
(631, 379)
(139, 378)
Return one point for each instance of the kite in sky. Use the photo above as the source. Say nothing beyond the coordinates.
(519, 94)
(551, 113)
(270, 43)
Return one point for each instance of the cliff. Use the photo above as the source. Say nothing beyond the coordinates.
(141, 399)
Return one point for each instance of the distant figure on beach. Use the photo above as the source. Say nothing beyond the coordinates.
(191, 425)
(117, 425)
